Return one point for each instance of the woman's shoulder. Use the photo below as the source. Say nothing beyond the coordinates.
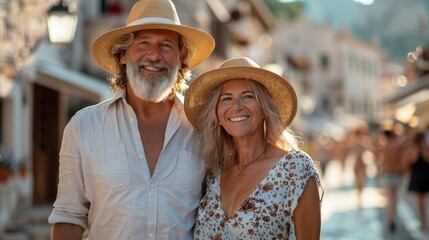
(299, 162)
(299, 156)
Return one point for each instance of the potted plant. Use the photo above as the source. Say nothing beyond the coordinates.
(6, 169)
(22, 167)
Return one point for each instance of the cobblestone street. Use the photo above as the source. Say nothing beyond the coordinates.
(343, 219)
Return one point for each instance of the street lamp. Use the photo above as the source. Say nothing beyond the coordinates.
(61, 24)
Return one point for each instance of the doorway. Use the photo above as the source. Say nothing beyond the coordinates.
(46, 144)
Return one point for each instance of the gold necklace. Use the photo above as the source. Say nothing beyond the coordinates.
(244, 168)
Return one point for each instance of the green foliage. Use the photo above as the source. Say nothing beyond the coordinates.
(286, 11)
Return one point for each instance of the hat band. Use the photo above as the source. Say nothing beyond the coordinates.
(152, 20)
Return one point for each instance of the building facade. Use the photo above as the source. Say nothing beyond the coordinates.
(337, 76)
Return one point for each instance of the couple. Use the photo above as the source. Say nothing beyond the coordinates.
(134, 166)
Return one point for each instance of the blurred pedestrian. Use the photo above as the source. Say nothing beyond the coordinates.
(417, 159)
(392, 168)
(323, 148)
(341, 150)
(358, 144)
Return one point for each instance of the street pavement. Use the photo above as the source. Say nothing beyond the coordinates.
(344, 217)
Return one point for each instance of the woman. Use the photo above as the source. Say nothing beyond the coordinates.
(417, 160)
(358, 144)
(259, 185)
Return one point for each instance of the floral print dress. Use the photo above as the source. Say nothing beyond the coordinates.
(267, 213)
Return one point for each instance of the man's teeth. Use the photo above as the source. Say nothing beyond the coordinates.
(152, 68)
(238, 119)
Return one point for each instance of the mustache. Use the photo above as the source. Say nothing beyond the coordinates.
(156, 64)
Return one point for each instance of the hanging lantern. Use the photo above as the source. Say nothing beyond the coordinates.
(61, 24)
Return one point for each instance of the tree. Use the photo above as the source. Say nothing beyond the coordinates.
(22, 27)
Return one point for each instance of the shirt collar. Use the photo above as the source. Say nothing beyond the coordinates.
(121, 95)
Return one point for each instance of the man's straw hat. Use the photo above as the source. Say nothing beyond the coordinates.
(280, 89)
(153, 14)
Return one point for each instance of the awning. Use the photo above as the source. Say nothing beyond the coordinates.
(413, 93)
(411, 101)
(78, 79)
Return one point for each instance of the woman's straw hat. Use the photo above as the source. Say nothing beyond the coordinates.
(280, 89)
(153, 14)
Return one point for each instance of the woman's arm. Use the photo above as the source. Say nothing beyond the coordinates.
(307, 214)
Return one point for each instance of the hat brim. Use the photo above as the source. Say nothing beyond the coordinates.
(200, 43)
(282, 92)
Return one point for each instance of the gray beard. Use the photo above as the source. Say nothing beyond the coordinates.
(151, 88)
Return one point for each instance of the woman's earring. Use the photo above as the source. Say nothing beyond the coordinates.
(265, 130)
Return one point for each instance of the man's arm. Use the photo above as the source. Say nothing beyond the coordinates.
(66, 231)
(307, 214)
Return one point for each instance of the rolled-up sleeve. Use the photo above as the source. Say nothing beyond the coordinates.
(71, 205)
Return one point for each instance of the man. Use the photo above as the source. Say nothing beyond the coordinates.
(392, 169)
(128, 166)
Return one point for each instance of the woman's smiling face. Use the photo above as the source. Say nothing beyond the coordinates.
(238, 109)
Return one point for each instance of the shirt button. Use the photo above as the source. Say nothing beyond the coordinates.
(141, 156)
(151, 236)
(132, 120)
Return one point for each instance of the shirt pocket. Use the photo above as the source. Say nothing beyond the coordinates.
(187, 172)
(110, 167)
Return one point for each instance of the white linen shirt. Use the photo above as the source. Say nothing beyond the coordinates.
(104, 181)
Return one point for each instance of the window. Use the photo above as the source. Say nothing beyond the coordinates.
(324, 61)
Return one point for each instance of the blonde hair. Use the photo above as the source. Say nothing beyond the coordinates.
(120, 80)
(217, 147)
